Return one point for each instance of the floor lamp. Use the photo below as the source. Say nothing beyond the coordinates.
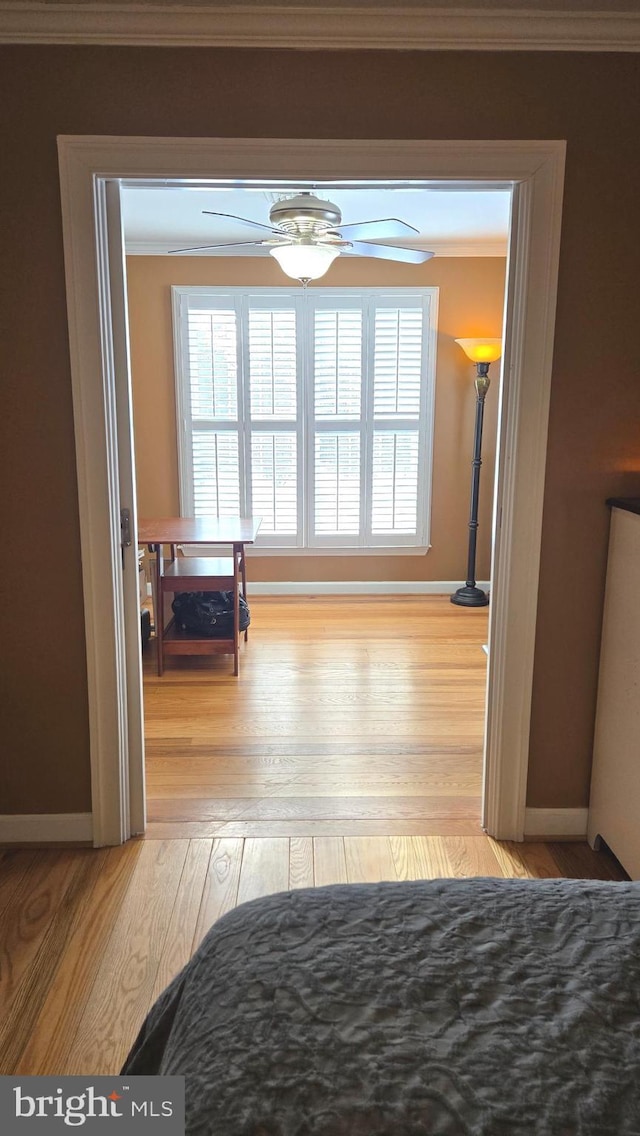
(482, 352)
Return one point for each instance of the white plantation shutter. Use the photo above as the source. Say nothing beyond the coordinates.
(394, 494)
(274, 481)
(337, 484)
(397, 379)
(208, 355)
(272, 363)
(213, 364)
(337, 350)
(273, 419)
(311, 409)
(337, 362)
(399, 346)
(216, 474)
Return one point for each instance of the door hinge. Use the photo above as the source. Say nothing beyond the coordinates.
(125, 528)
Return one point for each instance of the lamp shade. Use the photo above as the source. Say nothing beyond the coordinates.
(481, 350)
(304, 262)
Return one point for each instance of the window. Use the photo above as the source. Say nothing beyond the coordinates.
(312, 410)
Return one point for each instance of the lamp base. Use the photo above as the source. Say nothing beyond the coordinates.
(470, 597)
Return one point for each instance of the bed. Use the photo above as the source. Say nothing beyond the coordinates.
(482, 1006)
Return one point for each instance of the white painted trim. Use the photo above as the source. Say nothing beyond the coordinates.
(46, 828)
(556, 822)
(132, 787)
(86, 258)
(356, 587)
(530, 303)
(259, 549)
(480, 248)
(536, 168)
(320, 27)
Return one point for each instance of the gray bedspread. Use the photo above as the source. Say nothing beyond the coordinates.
(493, 1007)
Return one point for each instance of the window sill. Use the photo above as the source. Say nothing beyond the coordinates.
(291, 551)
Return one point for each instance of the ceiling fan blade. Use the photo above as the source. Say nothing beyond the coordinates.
(245, 221)
(389, 252)
(377, 230)
(231, 245)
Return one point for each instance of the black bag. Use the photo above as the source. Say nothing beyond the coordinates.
(145, 626)
(209, 613)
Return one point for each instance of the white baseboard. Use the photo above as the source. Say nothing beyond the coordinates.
(555, 822)
(356, 587)
(46, 828)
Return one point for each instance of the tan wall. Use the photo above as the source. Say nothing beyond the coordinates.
(470, 302)
(594, 438)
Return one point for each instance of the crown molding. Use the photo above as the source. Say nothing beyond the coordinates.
(279, 26)
(440, 248)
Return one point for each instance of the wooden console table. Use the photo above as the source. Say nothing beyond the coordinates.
(197, 574)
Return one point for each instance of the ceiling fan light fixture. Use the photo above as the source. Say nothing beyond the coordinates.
(305, 262)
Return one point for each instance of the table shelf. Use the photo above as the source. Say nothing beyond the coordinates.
(189, 572)
(179, 642)
(197, 574)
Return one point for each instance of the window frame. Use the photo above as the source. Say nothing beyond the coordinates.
(305, 425)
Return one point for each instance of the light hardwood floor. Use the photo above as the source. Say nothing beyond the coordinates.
(351, 716)
(348, 750)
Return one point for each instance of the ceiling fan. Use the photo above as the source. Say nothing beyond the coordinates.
(306, 234)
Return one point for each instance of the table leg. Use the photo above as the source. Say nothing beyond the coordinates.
(241, 553)
(153, 573)
(236, 616)
(158, 610)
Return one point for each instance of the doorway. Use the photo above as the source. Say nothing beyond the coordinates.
(340, 414)
(90, 170)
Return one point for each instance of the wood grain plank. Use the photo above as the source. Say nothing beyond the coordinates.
(470, 856)
(220, 891)
(315, 699)
(121, 993)
(28, 915)
(178, 946)
(341, 727)
(265, 868)
(524, 861)
(420, 857)
(315, 808)
(301, 873)
(330, 864)
(174, 830)
(18, 1024)
(301, 785)
(538, 860)
(232, 755)
(13, 867)
(48, 1046)
(579, 862)
(369, 859)
(511, 863)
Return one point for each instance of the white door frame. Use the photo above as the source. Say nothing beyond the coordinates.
(100, 383)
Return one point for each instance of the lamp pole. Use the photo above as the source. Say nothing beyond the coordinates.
(470, 595)
(482, 352)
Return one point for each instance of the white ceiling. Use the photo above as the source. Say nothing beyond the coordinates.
(451, 222)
